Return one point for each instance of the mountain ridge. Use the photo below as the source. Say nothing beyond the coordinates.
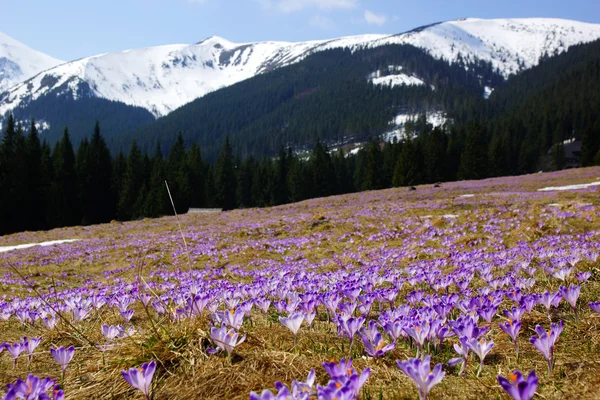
(164, 78)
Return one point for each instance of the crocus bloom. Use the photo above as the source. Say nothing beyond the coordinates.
(15, 350)
(595, 306)
(284, 393)
(110, 332)
(376, 346)
(345, 381)
(480, 347)
(512, 329)
(518, 387)
(571, 295)
(63, 356)
(127, 315)
(545, 341)
(463, 352)
(32, 389)
(225, 339)
(32, 344)
(301, 389)
(292, 322)
(421, 374)
(141, 378)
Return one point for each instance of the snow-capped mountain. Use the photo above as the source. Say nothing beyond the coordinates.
(161, 79)
(19, 62)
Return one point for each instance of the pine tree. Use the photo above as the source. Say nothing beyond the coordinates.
(406, 170)
(131, 184)
(64, 198)
(82, 164)
(35, 196)
(196, 171)
(323, 175)
(225, 181)
(156, 203)
(244, 183)
(474, 159)
(100, 206)
(177, 175)
(280, 190)
(8, 222)
(46, 181)
(373, 168)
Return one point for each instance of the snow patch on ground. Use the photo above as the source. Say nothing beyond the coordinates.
(466, 196)
(4, 249)
(569, 187)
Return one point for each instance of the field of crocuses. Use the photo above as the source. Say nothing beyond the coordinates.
(470, 290)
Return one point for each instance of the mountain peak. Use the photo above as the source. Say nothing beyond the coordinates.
(18, 62)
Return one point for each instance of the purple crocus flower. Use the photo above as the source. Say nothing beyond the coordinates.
(127, 315)
(50, 322)
(595, 306)
(545, 341)
(15, 350)
(571, 295)
(33, 388)
(419, 332)
(512, 328)
(292, 322)
(348, 328)
(31, 345)
(141, 378)
(463, 352)
(110, 332)
(480, 347)
(583, 276)
(284, 393)
(63, 356)
(225, 340)
(376, 346)
(518, 387)
(549, 299)
(421, 374)
(345, 381)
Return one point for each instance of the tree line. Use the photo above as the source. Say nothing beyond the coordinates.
(43, 187)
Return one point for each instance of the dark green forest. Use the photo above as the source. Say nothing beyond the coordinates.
(326, 97)
(521, 128)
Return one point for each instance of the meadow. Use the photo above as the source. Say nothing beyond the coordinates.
(483, 278)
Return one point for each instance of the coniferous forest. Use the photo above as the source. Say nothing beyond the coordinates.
(520, 129)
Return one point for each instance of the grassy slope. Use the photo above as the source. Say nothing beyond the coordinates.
(350, 228)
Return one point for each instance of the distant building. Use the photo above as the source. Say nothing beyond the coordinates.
(572, 153)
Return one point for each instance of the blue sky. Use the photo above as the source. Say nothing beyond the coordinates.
(70, 29)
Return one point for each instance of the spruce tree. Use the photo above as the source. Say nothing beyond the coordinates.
(131, 184)
(225, 181)
(64, 198)
(35, 196)
(474, 159)
(323, 176)
(101, 205)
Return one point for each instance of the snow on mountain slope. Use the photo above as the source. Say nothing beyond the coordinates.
(164, 78)
(19, 63)
(511, 45)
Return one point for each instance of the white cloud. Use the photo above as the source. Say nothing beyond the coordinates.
(321, 21)
(288, 6)
(374, 19)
